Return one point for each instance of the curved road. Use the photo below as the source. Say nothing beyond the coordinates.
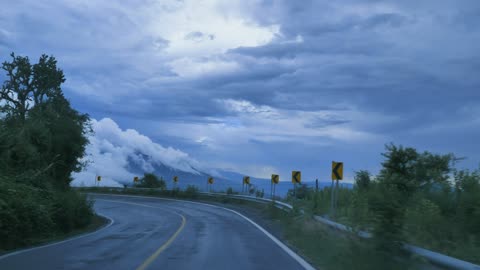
(149, 233)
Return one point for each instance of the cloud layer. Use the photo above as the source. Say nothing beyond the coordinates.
(112, 151)
(278, 84)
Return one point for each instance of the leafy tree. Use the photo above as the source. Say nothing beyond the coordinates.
(150, 180)
(405, 172)
(43, 134)
(42, 139)
(467, 189)
(362, 180)
(191, 191)
(415, 170)
(28, 85)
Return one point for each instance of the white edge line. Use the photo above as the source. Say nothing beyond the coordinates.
(290, 252)
(61, 242)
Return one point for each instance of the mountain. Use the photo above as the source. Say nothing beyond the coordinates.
(194, 176)
(119, 155)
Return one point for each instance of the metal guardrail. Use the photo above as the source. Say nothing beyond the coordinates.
(342, 227)
(277, 203)
(441, 259)
(434, 257)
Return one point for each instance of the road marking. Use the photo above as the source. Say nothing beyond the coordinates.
(172, 238)
(61, 242)
(290, 252)
(152, 258)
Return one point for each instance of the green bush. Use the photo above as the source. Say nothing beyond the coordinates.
(71, 210)
(150, 180)
(411, 200)
(191, 192)
(29, 214)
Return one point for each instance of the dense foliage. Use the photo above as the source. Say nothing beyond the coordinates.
(419, 198)
(42, 139)
(150, 180)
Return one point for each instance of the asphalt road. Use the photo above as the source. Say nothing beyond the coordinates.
(149, 233)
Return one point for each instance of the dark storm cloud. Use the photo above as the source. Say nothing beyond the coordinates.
(328, 121)
(402, 70)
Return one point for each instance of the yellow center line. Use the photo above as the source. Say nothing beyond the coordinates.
(152, 257)
(172, 238)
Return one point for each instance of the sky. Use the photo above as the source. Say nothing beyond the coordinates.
(262, 87)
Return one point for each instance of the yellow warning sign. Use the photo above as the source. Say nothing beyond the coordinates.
(296, 177)
(337, 170)
(275, 178)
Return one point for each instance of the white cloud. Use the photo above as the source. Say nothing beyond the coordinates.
(111, 149)
(139, 40)
(267, 124)
(224, 27)
(254, 170)
(188, 67)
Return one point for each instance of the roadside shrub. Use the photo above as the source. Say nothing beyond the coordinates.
(423, 221)
(299, 192)
(29, 214)
(71, 210)
(175, 191)
(150, 180)
(191, 192)
(358, 214)
(24, 215)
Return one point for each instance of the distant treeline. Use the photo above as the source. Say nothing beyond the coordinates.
(42, 139)
(419, 198)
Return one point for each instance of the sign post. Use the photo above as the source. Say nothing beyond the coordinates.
(296, 179)
(135, 180)
(337, 174)
(175, 180)
(275, 180)
(245, 183)
(99, 178)
(210, 183)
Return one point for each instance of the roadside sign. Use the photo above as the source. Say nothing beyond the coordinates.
(296, 177)
(337, 170)
(99, 178)
(175, 179)
(135, 179)
(275, 178)
(246, 180)
(210, 180)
